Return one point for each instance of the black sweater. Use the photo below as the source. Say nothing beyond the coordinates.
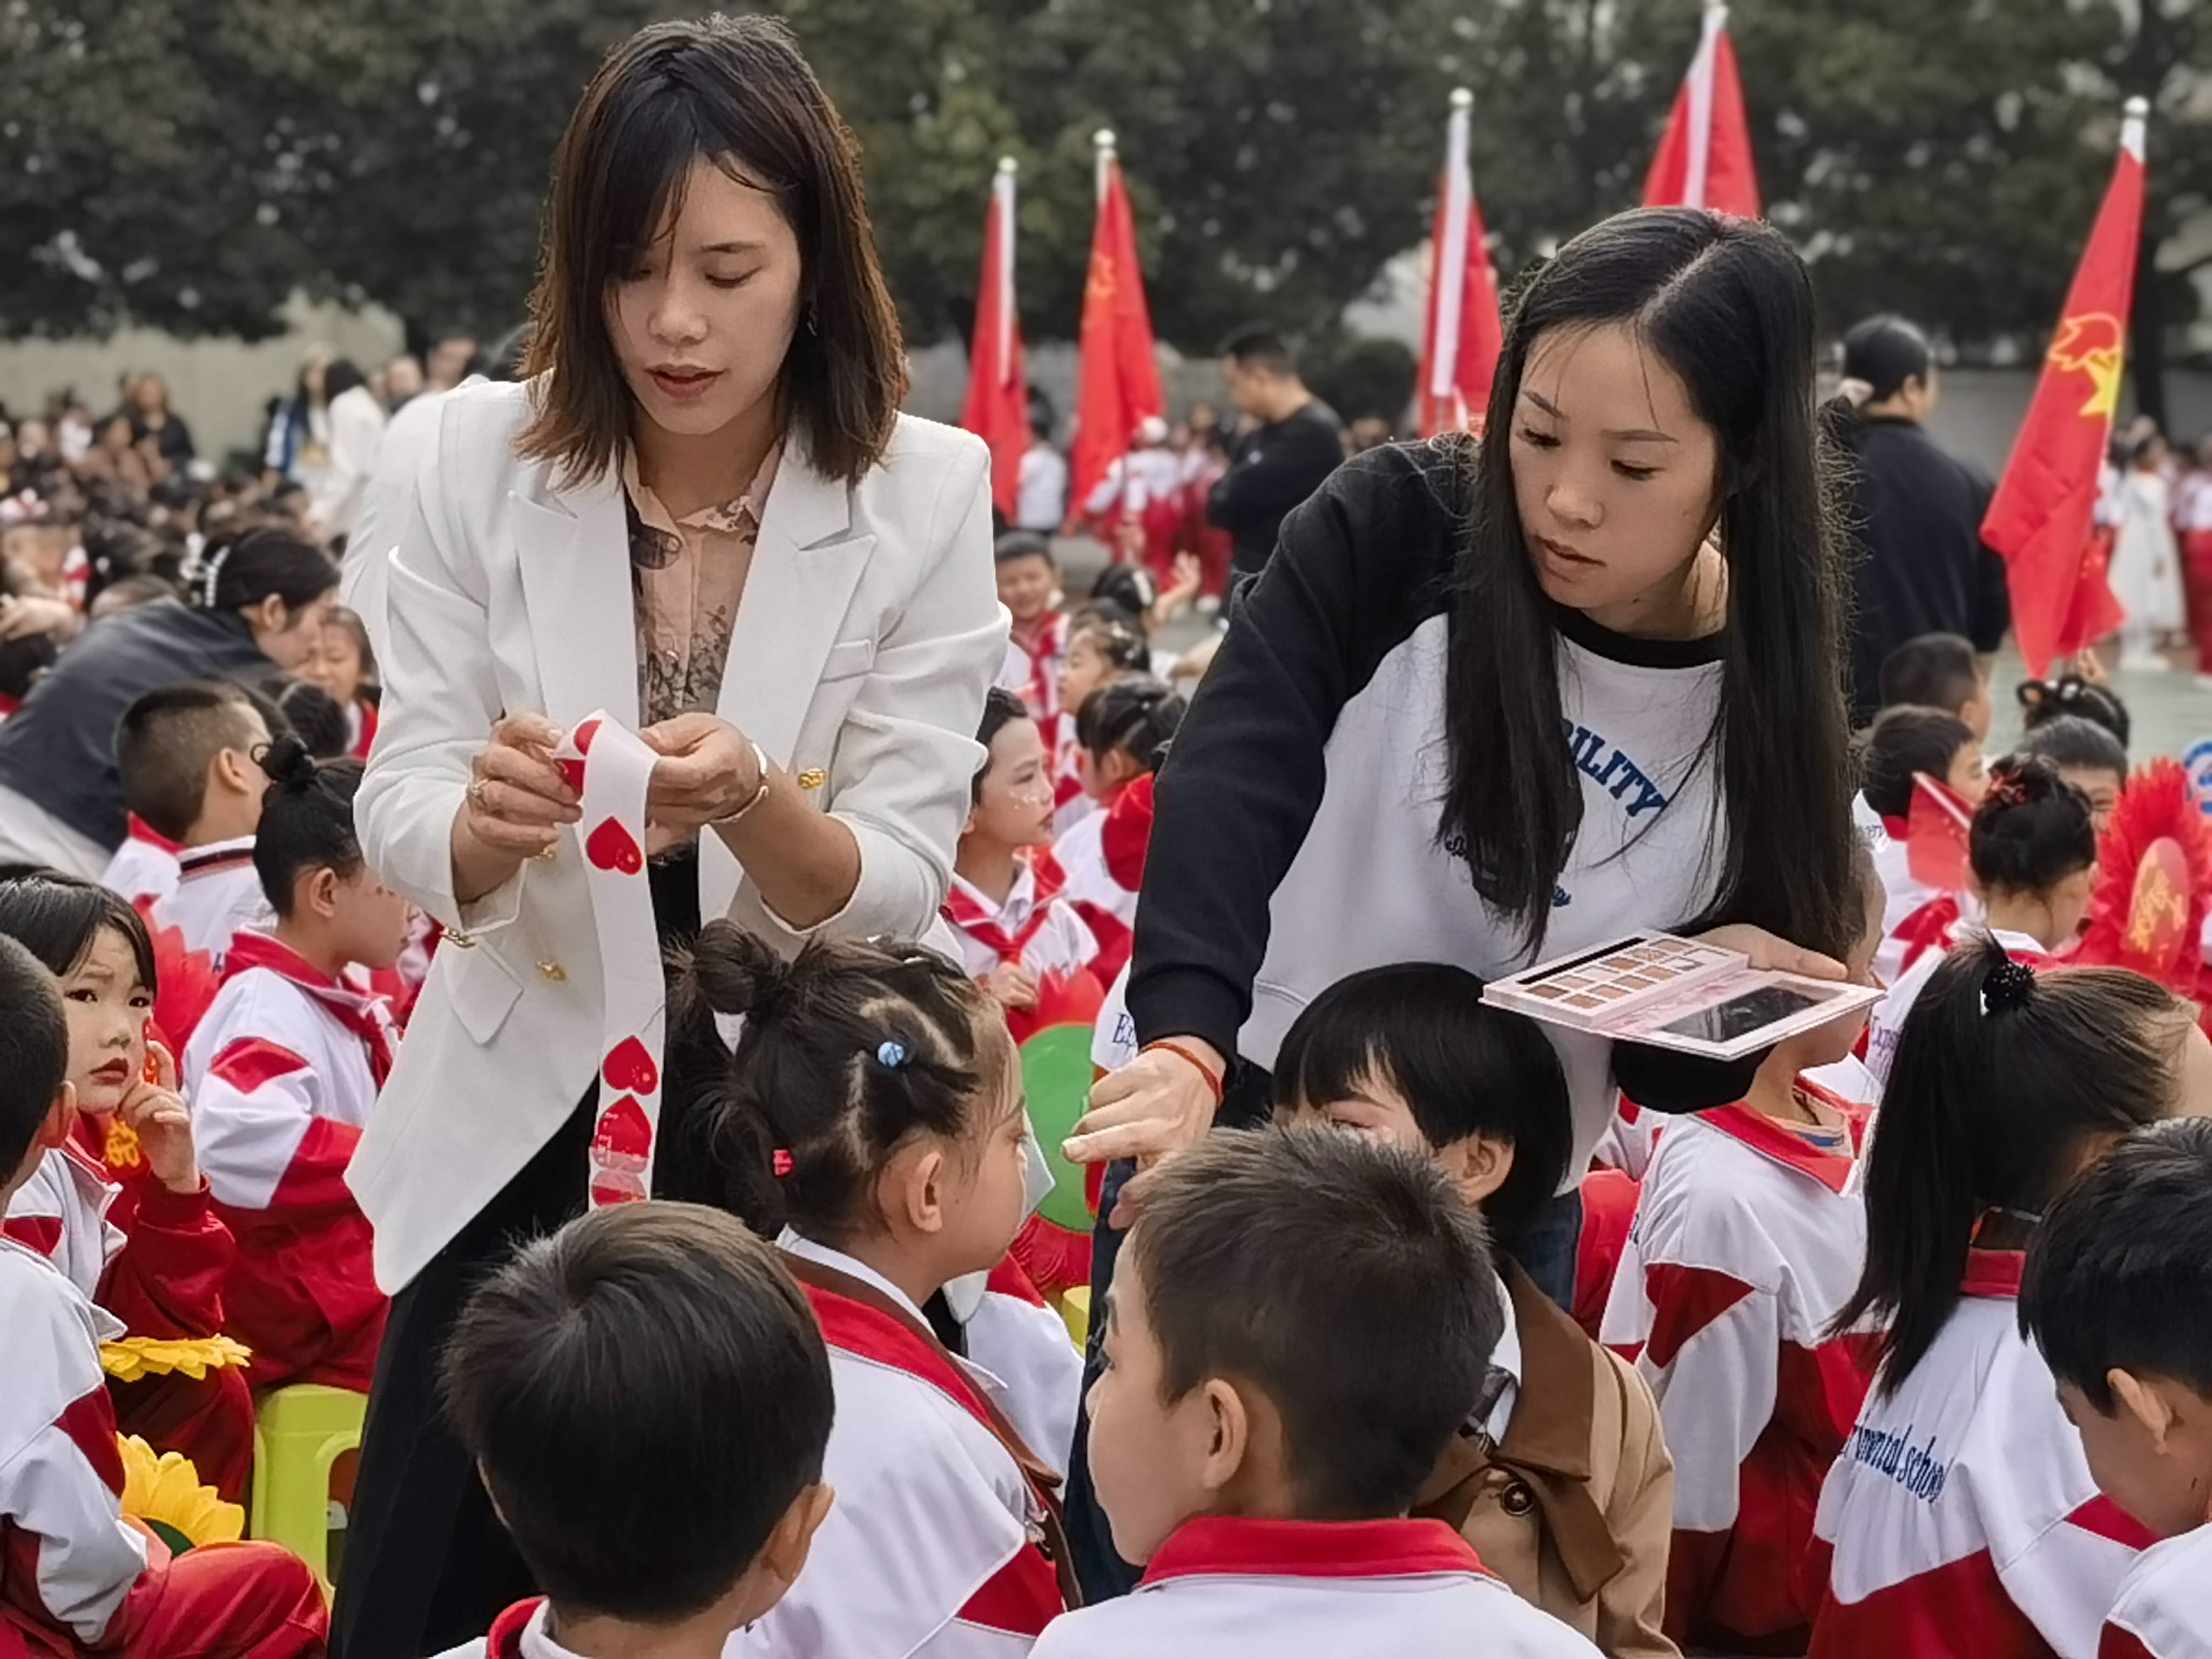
(1277, 466)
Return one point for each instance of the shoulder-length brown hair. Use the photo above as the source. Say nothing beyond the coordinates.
(737, 92)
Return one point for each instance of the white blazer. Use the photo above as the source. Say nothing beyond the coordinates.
(869, 632)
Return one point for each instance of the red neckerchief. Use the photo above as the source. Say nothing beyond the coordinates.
(1928, 928)
(368, 727)
(1993, 1273)
(142, 831)
(1771, 1140)
(366, 1015)
(1051, 641)
(505, 1641)
(1899, 829)
(963, 911)
(1220, 1545)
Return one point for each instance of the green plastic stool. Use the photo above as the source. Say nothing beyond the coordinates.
(299, 1433)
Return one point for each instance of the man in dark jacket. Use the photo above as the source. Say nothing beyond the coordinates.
(1919, 565)
(1279, 463)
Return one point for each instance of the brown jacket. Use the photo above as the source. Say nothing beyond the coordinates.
(1575, 1509)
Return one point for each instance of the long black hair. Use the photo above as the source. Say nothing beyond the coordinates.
(1727, 306)
(2000, 1076)
(247, 559)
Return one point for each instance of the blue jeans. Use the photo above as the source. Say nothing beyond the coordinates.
(1103, 1573)
(1549, 1244)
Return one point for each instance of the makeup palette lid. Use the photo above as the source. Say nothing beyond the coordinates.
(1599, 986)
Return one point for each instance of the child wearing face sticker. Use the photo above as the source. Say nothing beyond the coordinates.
(1558, 1475)
(1748, 1236)
(1962, 1515)
(284, 1072)
(1299, 1322)
(120, 1205)
(1020, 937)
(2118, 1295)
(1029, 587)
(873, 1121)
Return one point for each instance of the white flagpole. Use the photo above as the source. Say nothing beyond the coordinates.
(1701, 105)
(1450, 262)
(1103, 138)
(2135, 117)
(1002, 192)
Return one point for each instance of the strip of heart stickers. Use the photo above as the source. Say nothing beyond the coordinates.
(609, 767)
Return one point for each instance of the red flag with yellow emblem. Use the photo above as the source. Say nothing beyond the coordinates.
(1117, 377)
(2039, 518)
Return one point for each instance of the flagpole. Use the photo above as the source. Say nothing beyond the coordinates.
(1450, 262)
(1103, 138)
(1701, 105)
(1003, 188)
(2135, 117)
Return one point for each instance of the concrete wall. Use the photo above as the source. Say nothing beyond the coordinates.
(220, 385)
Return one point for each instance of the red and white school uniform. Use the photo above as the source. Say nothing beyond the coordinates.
(145, 868)
(1102, 857)
(1032, 670)
(1223, 1587)
(523, 1632)
(1913, 914)
(931, 1548)
(1961, 1517)
(1035, 928)
(1886, 1025)
(73, 1573)
(1747, 1242)
(218, 895)
(1013, 1333)
(2164, 1610)
(361, 728)
(162, 1278)
(282, 1074)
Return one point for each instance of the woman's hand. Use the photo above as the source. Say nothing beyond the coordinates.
(1776, 955)
(157, 1114)
(514, 808)
(1159, 1102)
(708, 771)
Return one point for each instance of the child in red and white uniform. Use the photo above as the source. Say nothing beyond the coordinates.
(1106, 644)
(1139, 504)
(2118, 1295)
(1121, 739)
(282, 1074)
(1962, 1516)
(120, 1206)
(1749, 1238)
(1904, 743)
(346, 666)
(75, 1577)
(1036, 650)
(592, 1337)
(881, 1083)
(185, 753)
(1019, 938)
(2031, 854)
(1255, 1383)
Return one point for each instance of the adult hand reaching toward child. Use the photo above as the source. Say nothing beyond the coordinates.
(1160, 1103)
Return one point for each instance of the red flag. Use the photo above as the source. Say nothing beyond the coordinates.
(2039, 520)
(1459, 350)
(1117, 379)
(1704, 160)
(998, 406)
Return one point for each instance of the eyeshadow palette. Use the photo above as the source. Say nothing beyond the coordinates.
(1676, 994)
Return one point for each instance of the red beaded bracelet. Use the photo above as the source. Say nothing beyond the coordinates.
(1204, 1070)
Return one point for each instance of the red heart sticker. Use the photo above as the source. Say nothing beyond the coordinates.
(610, 847)
(573, 771)
(624, 1138)
(615, 1187)
(583, 735)
(630, 1066)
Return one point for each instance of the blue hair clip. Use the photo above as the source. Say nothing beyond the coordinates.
(892, 1055)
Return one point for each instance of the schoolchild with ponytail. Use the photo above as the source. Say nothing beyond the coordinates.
(872, 1113)
(2032, 861)
(282, 1071)
(1962, 1516)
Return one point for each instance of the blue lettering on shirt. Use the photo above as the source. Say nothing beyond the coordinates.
(1914, 1468)
(1595, 756)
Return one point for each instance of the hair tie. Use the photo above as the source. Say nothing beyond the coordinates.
(209, 576)
(2008, 786)
(891, 1054)
(2008, 986)
(780, 1162)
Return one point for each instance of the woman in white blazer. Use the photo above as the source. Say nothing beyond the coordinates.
(704, 473)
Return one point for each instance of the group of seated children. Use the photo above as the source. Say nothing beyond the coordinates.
(76, 1575)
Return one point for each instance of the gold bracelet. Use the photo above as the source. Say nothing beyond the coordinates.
(760, 765)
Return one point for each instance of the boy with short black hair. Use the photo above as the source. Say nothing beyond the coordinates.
(1903, 743)
(2118, 1294)
(1297, 1323)
(77, 1575)
(186, 756)
(2087, 756)
(1940, 671)
(647, 1399)
(1029, 587)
